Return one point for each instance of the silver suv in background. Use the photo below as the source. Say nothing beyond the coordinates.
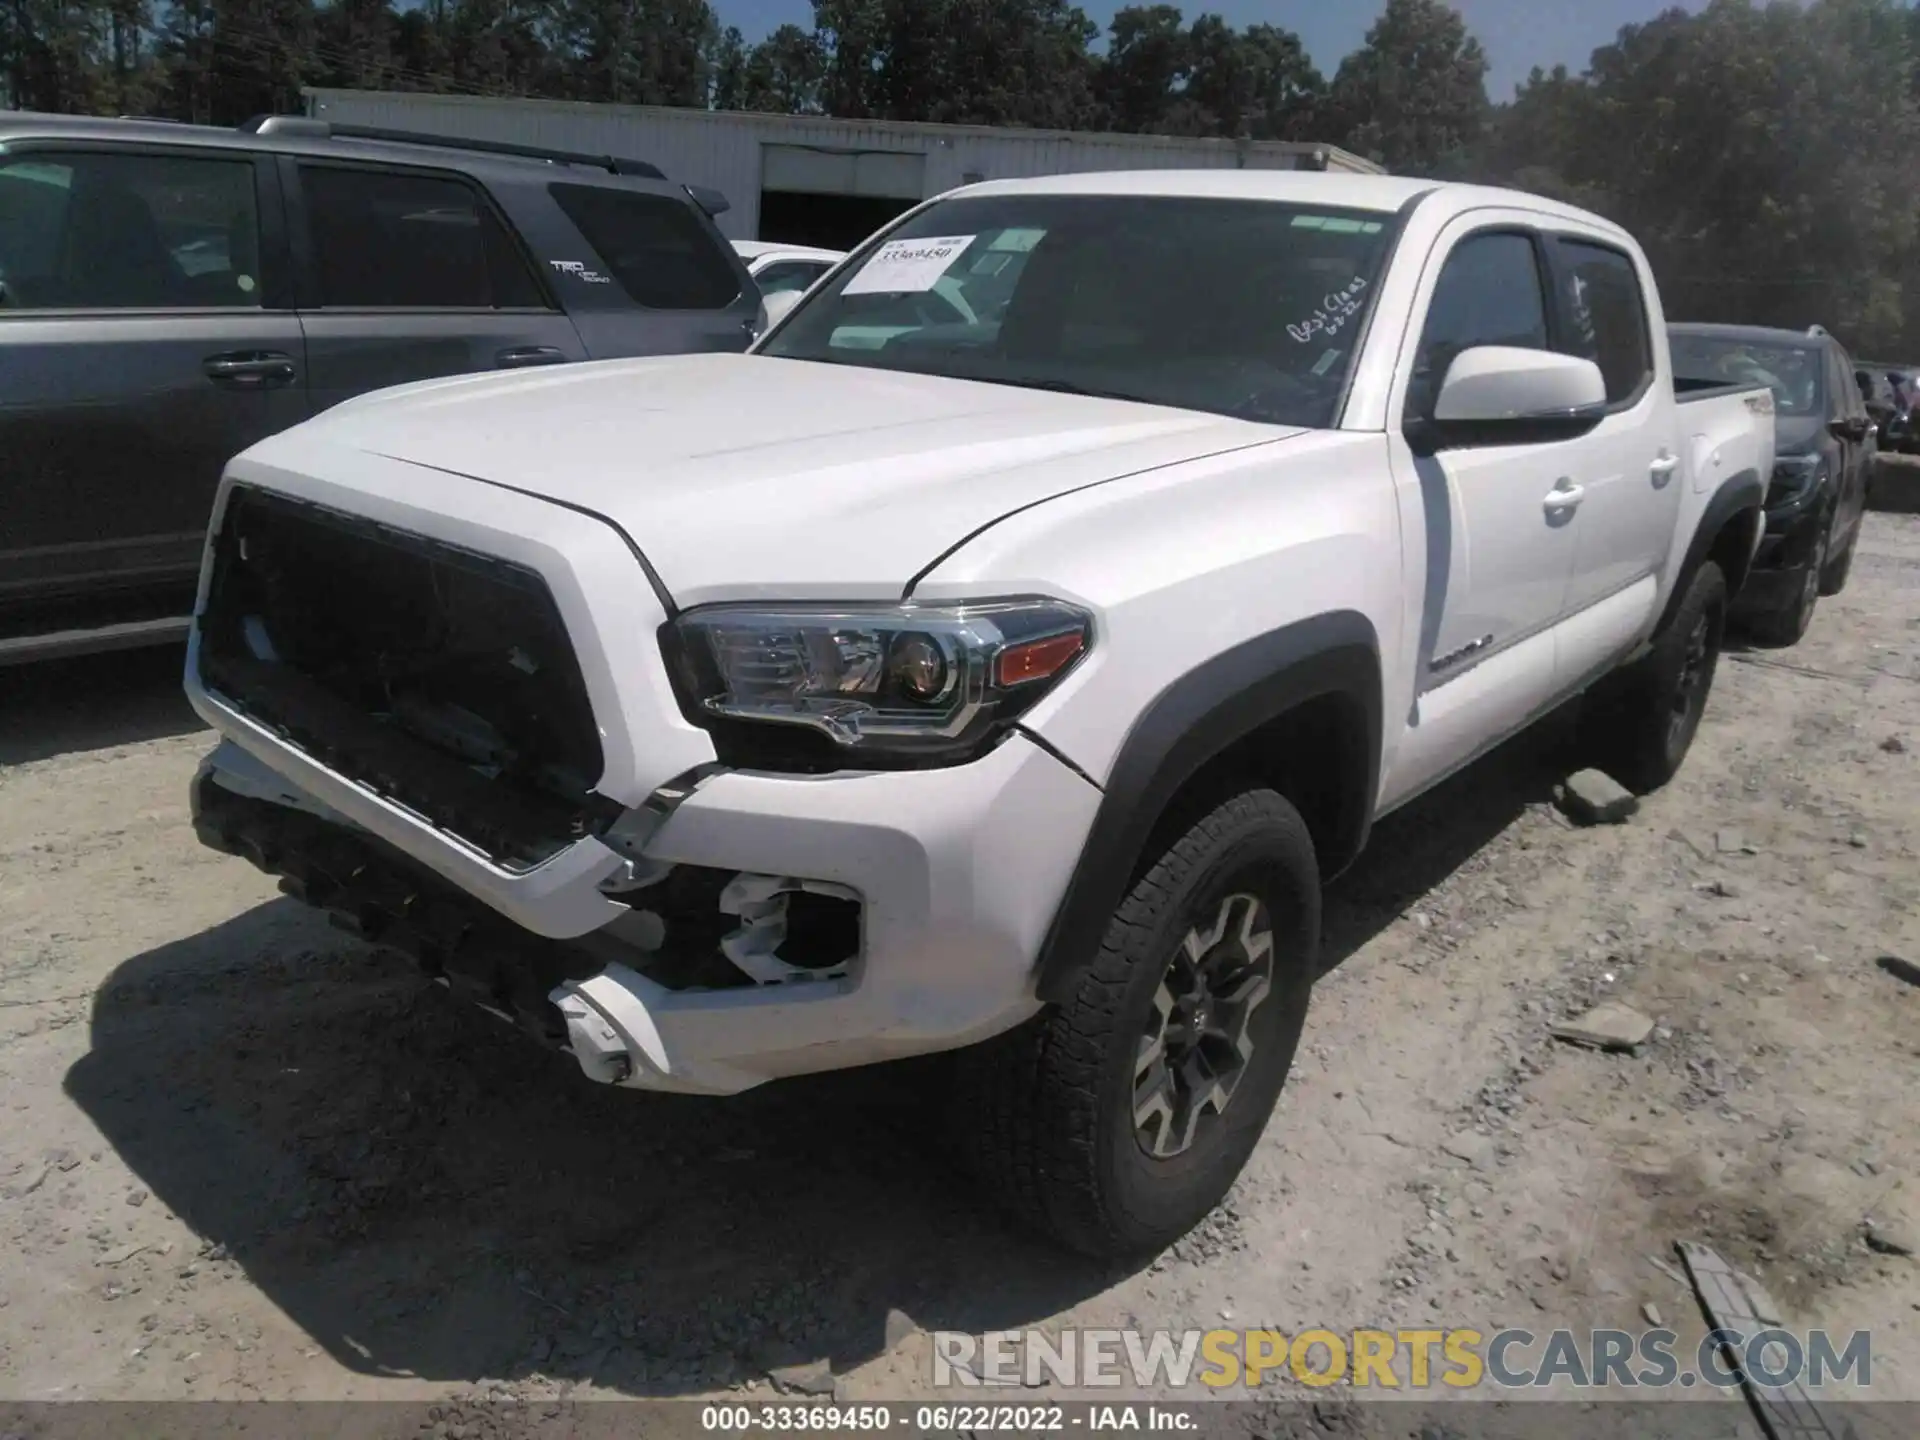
(170, 294)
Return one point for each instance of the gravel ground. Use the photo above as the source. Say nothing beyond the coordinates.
(245, 1157)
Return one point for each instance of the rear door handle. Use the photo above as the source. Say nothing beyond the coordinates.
(1663, 469)
(1564, 496)
(524, 355)
(249, 369)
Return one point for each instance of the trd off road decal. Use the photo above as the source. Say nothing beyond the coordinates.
(579, 271)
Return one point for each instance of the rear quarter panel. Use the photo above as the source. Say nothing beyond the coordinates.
(1722, 436)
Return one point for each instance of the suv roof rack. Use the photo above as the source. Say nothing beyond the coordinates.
(307, 126)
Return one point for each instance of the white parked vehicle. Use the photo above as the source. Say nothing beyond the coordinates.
(1007, 688)
(777, 269)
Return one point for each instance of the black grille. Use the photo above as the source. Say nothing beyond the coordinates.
(437, 677)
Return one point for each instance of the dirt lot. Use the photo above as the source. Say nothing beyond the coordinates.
(243, 1156)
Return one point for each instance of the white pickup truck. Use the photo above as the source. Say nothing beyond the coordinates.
(1007, 686)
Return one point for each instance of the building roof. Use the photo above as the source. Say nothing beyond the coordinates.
(320, 98)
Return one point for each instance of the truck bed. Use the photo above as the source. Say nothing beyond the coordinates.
(1687, 392)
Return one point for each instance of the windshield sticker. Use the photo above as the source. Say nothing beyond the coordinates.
(578, 270)
(1018, 241)
(1335, 311)
(1325, 363)
(1337, 224)
(901, 266)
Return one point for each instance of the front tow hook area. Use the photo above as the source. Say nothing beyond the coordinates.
(609, 1027)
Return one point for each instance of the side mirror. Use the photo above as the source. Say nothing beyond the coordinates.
(1503, 395)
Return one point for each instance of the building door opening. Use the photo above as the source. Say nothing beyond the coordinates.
(834, 222)
(816, 195)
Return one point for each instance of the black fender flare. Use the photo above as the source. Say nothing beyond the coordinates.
(1745, 490)
(1193, 720)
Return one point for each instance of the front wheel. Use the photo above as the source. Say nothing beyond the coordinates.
(1643, 725)
(1115, 1121)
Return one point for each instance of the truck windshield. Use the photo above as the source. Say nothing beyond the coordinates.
(1792, 372)
(1245, 308)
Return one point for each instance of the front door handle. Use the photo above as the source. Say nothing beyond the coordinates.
(249, 369)
(524, 355)
(1564, 496)
(1663, 469)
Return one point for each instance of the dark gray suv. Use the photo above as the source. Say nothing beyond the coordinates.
(170, 294)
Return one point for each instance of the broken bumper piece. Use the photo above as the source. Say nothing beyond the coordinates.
(720, 971)
(572, 996)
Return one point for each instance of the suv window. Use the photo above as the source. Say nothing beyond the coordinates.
(393, 239)
(127, 231)
(1488, 293)
(1606, 316)
(661, 254)
(1849, 404)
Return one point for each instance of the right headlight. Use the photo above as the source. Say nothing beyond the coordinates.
(871, 685)
(1793, 477)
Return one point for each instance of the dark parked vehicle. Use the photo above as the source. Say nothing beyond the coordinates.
(170, 294)
(1898, 431)
(1879, 393)
(1824, 448)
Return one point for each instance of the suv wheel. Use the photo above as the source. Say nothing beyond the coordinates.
(1642, 725)
(1788, 626)
(1833, 579)
(1116, 1121)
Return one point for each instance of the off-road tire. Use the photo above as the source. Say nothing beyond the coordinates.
(1045, 1115)
(1640, 725)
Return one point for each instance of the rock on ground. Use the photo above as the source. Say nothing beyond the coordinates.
(1594, 797)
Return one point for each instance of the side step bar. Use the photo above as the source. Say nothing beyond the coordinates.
(59, 644)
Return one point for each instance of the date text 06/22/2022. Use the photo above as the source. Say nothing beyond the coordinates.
(933, 1419)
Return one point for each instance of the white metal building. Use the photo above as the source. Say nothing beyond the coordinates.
(805, 179)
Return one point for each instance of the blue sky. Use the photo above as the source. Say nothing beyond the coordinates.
(1517, 34)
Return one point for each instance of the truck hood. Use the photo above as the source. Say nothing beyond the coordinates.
(743, 477)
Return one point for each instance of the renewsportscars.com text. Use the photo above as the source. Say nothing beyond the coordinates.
(1458, 1359)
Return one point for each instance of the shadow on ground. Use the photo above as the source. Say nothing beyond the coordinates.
(63, 707)
(426, 1193)
(1417, 847)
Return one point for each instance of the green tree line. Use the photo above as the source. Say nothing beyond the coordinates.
(1761, 152)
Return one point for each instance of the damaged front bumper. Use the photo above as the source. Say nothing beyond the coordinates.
(447, 719)
(773, 926)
